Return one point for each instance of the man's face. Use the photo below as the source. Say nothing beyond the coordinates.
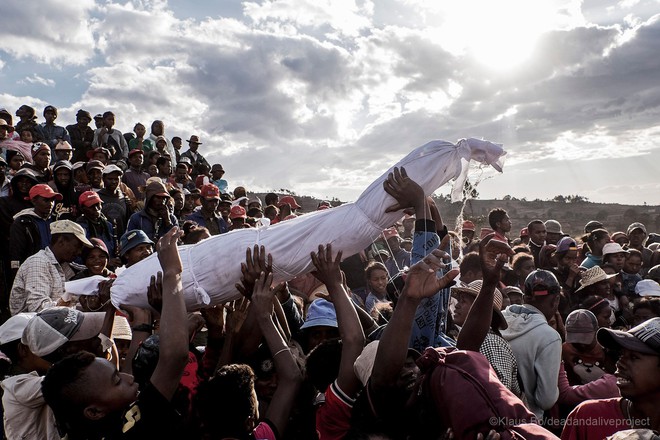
(63, 154)
(71, 248)
(83, 121)
(638, 374)
(505, 224)
(178, 201)
(136, 160)
(637, 237)
(408, 375)
(42, 159)
(157, 202)
(210, 205)
(176, 143)
(193, 147)
(50, 117)
(181, 174)
(110, 390)
(537, 233)
(43, 206)
(552, 237)
(217, 174)
(378, 281)
(101, 157)
(23, 184)
(98, 122)
(3, 133)
(224, 208)
(95, 177)
(138, 253)
(109, 121)
(111, 181)
(165, 169)
(462, 308)
(569, 259)
(63, 176)
(140, 131)
(468, 236)
(92, 212)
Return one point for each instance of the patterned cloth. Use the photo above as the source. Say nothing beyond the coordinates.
(500, 356)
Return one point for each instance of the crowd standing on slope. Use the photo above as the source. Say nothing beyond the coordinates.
(430, 332)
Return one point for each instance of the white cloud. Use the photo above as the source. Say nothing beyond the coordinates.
(36, 79)
(56, 31)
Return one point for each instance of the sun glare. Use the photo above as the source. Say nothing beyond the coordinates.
(499, 34)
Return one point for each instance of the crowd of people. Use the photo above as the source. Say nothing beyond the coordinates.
(431, 332)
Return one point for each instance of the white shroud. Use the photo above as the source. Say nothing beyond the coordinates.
(212, 267)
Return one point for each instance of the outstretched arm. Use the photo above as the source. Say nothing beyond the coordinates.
(352, 337)
(480, 316)
(173, 340)
(421, 282)
(288, 373)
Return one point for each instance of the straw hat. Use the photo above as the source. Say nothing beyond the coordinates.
(593, 276)
(473, 289)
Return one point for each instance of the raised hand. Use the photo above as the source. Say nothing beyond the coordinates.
(237, 314)
(493, 254)
(168, 254)
(327, 271)
(421, 279)
(407, 192)
(262, 296)
(155, 292)
(256, 261)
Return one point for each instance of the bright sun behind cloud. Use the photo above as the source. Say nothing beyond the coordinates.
(499, 34)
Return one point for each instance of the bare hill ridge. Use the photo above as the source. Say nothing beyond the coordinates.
(572, 215)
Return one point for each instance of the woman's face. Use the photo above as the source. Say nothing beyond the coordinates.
(378, 281)
(96, 261)
(598, 244)
(603, 317)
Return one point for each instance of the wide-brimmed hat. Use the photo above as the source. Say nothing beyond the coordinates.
(473, 289)
(644, 338)
(194, 139)
(553, 227)
(593, 276)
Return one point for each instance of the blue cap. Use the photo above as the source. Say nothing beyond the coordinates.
(131, 239)
(320, 313)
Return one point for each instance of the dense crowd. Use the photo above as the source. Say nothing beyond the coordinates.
(430, 332)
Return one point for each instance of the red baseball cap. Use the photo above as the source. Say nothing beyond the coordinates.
(468, 226)
(289, 200)
(237, 212)
(89, 198)
(390, 232)
(210, 191)
(524, 232)
(44, 191)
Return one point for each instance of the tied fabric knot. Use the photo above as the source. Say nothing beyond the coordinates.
(482, 151)
(201, 294)
(431, 358)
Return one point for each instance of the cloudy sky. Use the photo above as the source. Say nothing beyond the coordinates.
(322, 96)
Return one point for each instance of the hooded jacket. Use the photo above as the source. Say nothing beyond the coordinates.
(537, 348)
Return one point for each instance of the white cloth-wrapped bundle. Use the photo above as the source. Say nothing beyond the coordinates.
(212, 267)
